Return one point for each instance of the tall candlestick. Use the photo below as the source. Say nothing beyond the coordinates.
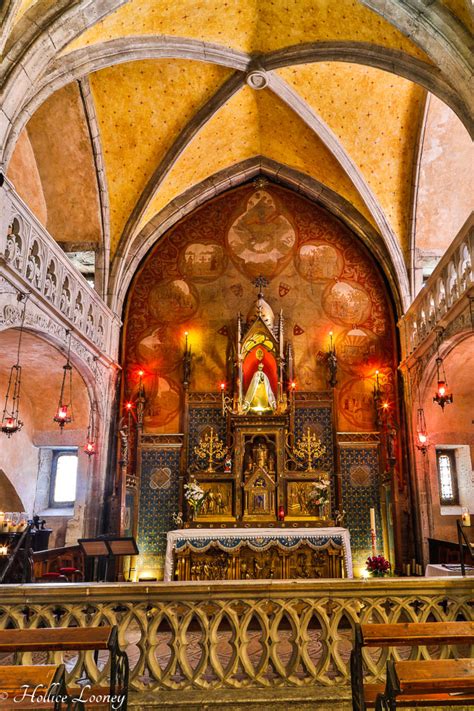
(186, 341)
(330, 341)
(372, 531)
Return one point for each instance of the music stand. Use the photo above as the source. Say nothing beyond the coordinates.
(108, 547)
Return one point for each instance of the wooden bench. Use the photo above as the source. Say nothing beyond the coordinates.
(430, 682)
(22, 686)
(401, 634)
(63, 639)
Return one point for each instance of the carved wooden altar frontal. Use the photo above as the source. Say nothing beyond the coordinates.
(273, 563)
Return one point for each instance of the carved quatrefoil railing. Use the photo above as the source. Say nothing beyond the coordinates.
(42, 268)
(443, 302)
(241, 634)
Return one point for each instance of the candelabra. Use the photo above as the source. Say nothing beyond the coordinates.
(309, 448)
(210, 447)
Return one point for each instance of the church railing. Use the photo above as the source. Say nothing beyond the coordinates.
(185, 636)
(445, 296)
(42, 268)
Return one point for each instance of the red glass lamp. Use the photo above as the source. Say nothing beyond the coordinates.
(442, 397)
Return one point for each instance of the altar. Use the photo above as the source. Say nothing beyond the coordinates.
(265, 553)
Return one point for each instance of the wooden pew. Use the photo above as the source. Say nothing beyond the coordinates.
(429, 682)
(63, 639)
(21, 687)
(401, 634)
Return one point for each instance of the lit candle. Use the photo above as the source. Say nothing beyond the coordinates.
(330, 341)
(465, 517)
(377, 379)
(186, 341)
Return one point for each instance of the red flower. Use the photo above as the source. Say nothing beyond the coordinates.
(377, 564)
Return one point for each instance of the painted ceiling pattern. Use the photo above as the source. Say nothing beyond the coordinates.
(352, 128)
(199, 277)
(250, 26)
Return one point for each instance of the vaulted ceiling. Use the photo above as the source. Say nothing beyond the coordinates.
(137, 107)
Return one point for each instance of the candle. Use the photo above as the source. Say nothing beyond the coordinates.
(330, 341)
(408, 569)
(465, 517)
(372, 530)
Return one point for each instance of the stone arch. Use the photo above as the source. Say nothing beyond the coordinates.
(128, 257)
(83, 61)
(34, 43)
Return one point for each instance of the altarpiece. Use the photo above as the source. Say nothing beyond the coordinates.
(258, 471)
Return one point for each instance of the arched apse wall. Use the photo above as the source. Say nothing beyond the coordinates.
(198, 277)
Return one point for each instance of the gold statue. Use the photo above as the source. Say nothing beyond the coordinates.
(259, 397)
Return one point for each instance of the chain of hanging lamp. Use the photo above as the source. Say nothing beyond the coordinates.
(11, 422)
(90, 447)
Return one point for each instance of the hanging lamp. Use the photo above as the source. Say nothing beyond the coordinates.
(64, 413)
(11, 422)
(442, 397)
(90, 447)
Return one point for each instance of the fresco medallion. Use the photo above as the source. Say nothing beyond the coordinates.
(159, 349)
(356, 403)
(346, 302)
(319, 261)
(261, 240)
(358, 348)
(202, 261)
(164, 398)
(173, 301)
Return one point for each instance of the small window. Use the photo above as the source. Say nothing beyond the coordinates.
(448, 489)
(63, 478)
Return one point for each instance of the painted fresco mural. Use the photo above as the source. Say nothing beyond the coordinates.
(199, 276)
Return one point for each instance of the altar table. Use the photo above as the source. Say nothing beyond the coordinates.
(261, 539)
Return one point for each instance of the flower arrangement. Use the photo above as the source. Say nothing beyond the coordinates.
(195, 495)
(377, 565)
(319, 494)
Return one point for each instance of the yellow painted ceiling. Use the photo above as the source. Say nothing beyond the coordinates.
(250, 124)
(250, 25)
(376, 116)
(141, 109)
